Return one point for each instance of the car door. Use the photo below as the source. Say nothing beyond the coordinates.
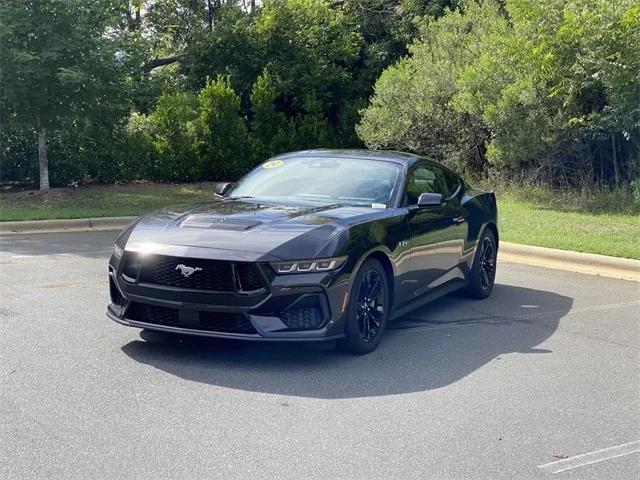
(436, 233)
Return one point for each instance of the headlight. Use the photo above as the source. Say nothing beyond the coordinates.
(117, 251)
(307, 266)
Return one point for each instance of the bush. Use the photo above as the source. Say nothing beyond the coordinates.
(223, 140)
(190, 137)
(412, 108)
(171, 129)
(554, 88)
(18, 154)
(268, 126)
(82, 151)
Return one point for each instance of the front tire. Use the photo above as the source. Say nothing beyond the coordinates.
(483, 273)
(368, 311)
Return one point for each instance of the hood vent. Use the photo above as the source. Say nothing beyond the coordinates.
(218, 223)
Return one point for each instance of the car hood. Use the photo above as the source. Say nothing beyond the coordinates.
(249, 226)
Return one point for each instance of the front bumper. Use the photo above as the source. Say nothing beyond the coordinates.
(300, 307)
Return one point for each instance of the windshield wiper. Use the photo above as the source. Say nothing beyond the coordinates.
(240, 197)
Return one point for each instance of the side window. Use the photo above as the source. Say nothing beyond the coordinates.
(452, 183)
(429, 178)
(420, 180)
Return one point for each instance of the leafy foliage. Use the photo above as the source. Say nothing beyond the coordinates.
(553, 86)
(191, 89)
(224, 145)
(269, 126)
(169, 132)
(63, 72)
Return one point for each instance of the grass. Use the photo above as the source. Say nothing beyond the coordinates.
(570, 222)
(605, 223)
(99, 200)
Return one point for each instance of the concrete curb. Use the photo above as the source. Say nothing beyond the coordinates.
(589, 263)
(592, 264)
(66, 225)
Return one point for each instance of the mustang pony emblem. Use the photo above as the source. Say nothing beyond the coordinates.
(187, 271)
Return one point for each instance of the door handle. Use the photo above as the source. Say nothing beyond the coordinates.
(458, 220)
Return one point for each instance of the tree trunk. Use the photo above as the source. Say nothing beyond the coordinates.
(43, 162)
(614, 153)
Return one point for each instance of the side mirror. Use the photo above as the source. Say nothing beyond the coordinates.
(222, 188)
(428, 199)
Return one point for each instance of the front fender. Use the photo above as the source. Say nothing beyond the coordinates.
(386, 236)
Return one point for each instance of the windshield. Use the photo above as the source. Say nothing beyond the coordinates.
(325, 180)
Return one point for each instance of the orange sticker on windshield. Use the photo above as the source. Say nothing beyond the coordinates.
(273, 164)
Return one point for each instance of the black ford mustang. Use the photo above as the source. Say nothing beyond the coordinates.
(314, 245)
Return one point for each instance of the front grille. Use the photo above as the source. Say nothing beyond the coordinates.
(208, 321)
(248, 277)
(193, 273)
(303, 318)
(206, 274)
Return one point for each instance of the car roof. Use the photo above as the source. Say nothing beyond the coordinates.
(384, 155)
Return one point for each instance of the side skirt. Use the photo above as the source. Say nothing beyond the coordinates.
(428, 297)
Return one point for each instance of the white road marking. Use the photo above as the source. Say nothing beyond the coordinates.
(591, 457)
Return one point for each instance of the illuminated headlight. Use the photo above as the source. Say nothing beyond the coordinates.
(117, 251)
(306, 266)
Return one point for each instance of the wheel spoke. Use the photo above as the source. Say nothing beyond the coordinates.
(484, 278)
(367, 326)
(375, 288)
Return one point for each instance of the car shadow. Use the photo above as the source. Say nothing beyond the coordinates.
(428, 349)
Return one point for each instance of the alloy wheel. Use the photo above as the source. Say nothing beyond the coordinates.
(487, 263)
(371, 305)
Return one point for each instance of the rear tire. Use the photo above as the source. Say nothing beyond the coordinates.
(368, 310)
(483, 272)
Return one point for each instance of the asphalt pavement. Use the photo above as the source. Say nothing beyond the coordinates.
(507, 387)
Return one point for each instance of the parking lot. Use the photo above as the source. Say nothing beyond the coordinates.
(547, 368)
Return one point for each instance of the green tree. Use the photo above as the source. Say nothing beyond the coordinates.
(311, 48)
(546, 86)
(560, 90)
(412, 106)
(59, 62)
(229, 48)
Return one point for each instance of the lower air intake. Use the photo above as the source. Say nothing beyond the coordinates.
(222, 322)
(226, 322)
(303, 318)
(116, 296)
(153, 314)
